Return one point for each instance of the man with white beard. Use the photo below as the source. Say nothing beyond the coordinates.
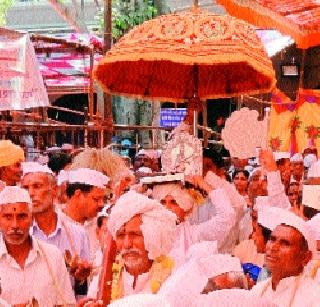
(144, 232)
(29, 269)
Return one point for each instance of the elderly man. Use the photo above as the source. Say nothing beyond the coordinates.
(29, 269)
(144, 232)
(11, 157)
(287, 253)
(52, 226)
(177, 199)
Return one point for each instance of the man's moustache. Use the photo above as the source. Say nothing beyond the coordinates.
(130, 251)
(15, 232)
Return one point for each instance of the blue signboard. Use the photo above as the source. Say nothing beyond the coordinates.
(171, 117)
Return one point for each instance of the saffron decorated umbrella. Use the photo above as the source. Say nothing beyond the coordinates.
(189, 56)
(298, 18)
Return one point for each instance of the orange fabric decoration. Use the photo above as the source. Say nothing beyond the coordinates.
(295, 125)
(298, 18)
(192, 54)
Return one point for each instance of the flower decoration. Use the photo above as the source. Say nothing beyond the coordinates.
(275, 143)
(295, 124)
(160, 271)
(313, 133)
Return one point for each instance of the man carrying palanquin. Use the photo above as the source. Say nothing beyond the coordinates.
(176, 198)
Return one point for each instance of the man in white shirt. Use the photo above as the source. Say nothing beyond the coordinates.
(50, 225)
(85, 191)
(287, 253)
(176, 199)
(29, 269)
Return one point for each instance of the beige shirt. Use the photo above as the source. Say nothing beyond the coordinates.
(44, 277)
(294, 291)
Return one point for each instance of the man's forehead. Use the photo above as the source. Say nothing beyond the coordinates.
(133, 224)
(287, 232)
(15, 207)
(36, 177)
(98, 191)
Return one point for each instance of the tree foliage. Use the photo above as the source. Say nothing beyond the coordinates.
(127, 14)
(4, 7)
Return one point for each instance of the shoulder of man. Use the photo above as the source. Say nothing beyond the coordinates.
(260, 286)
(48, 250)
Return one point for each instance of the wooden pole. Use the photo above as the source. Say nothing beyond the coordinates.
(91, 89)
(205, 123)
(195, 3)
(107, 36)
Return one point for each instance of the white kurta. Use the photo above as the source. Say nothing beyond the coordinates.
(215, 229)
(90, 227)
(44, 277)
(301, 291)
(143, 283)
(238, 203)
(94, 284)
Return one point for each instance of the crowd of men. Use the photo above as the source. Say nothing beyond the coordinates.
(246, 234)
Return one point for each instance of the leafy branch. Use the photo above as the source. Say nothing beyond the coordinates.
(127, 14)
(4, 7)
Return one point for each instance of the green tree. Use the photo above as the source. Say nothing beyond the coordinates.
(4, 7)
(126, 14)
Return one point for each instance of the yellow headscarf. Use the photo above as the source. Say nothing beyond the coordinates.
(10, 153)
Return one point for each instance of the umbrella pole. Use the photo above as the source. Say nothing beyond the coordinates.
(301, 77)
(195, 123)
(91, 89)
(205, 123)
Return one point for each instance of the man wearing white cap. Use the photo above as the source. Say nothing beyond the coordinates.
(284, 167)
(297, 168)
(85, 199)
(177, 199)
(29, 269)
(11, 156)
(144, 232)
(287, 253)
(50, 225)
